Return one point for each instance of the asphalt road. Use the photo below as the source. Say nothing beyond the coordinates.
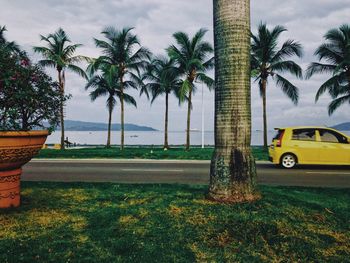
(182, 172)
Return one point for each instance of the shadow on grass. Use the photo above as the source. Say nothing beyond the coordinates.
(173, 223)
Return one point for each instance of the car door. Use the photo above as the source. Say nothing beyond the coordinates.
(334, 147)
(305, 145)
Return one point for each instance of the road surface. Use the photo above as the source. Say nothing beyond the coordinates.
(182, 172)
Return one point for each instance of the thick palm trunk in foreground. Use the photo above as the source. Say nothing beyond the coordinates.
(232, 173)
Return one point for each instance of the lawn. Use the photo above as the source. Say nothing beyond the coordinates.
(84, 222)
(195, 153)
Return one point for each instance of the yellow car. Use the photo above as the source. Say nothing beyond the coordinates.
(309, 145)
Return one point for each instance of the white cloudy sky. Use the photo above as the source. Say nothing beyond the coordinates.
(155, 21)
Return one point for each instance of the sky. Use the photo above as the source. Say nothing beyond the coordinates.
(155, 21)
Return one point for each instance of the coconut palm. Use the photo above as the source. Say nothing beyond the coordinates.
(191, 55)
(335, 55)
(105, 84)
(60, 54)
(122, 50)
(232, 173)
(163, 78)
(268, 60)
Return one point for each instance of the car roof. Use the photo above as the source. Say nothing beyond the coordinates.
(303, 127)
(309, 127)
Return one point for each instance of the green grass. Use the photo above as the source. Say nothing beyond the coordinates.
(81, 222)
(142, 153)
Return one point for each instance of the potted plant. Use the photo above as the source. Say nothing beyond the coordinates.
(29, 110)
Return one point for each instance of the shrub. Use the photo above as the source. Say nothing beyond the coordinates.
(29, 98)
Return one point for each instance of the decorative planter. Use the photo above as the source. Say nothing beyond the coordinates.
(16, 149)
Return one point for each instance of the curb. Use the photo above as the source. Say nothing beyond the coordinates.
(70, 160)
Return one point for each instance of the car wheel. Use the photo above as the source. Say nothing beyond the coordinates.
(288, 161)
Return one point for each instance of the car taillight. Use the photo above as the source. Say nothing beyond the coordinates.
(279, 140)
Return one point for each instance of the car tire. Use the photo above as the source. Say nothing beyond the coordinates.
(288, 161)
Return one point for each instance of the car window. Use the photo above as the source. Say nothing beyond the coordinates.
(304, 135)
(278, 134)
(332, 136)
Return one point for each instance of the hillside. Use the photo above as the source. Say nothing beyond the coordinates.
(71, 125)
(342, 126)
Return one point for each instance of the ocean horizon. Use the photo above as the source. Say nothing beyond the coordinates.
(148, 137)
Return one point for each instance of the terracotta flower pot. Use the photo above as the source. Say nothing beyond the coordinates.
(16, 149)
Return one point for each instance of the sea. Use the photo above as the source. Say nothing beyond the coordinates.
(81, 138)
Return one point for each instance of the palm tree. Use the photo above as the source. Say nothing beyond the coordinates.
(268, 60)
(163, 79)
(191, 55)
(232, 173)
(336, 56)
(105, 84)
(119, 51)
(60, 54)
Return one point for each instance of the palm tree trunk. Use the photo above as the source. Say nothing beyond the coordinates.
(188, 130)
(60, 83)
(110, 109)
(166, 145)
(232, 173)
(264, 82)
(122, 114)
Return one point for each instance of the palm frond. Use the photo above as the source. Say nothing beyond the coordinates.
(277, 31)
(68, 51)
(199, 35)
(329, 52)
(184, 90)
(183, 41)
(47, 63)
(288, 88)
(77, 70)
(129, 99)
(254, 62)
(209, 64)
(46, 52)
(208, 81)
(335, 86)
(289, 67)
(335, 104)
(98, 92)
(319, 68)
(142, 54)
(289, 48)
(111, 102)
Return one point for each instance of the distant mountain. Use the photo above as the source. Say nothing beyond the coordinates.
(342, 126)
(70, 125)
